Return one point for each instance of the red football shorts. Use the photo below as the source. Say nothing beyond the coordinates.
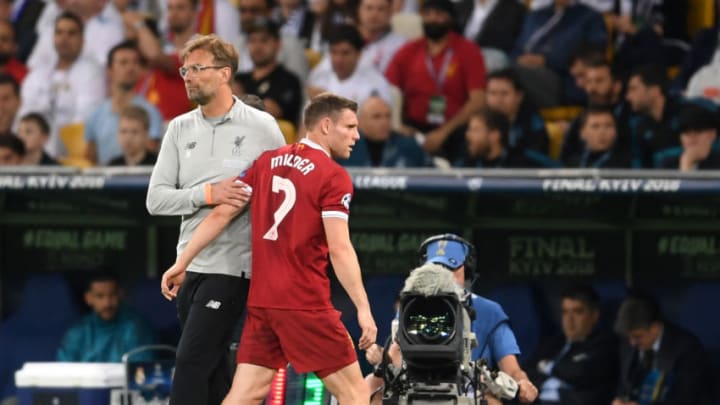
(314, 341)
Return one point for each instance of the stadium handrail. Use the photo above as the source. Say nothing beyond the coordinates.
(451, 180)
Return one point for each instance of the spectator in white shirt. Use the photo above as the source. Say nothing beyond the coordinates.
(66, 91)
(349, 78)
(227, 19)
(374, 26)
(103, 29)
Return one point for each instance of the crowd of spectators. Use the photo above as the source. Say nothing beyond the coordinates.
(468, 83)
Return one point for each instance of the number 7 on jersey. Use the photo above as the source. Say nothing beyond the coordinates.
(288, 188)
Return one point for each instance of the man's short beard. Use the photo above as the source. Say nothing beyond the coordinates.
(601, 99)
(200, 98)
(127, 86)
(264, 63)
(177, 29)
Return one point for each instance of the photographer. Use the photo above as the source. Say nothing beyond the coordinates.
(496, 341)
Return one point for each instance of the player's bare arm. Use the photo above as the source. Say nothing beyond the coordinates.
(347, 269)
(206, 232)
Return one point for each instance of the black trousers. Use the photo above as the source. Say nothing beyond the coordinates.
(210, 307)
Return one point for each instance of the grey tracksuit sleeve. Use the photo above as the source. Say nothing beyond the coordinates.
(164, 196)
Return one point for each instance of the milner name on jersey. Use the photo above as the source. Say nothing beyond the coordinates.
(304, 165)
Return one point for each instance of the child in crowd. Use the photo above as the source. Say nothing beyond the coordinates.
(133, 137)
(34, 132)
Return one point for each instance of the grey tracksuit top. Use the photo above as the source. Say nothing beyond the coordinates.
(195, 152)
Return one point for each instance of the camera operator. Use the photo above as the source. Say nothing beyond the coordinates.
(496, 341)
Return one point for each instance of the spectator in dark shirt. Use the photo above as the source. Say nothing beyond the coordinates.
(578, 367)
(491, 23)
(279, 88)
(505, 93)
(603, 88)
(583, 57)
(24, 20)
(657, 124)
(134, 138)
(487, 145)
(379, 145)
(548, 38)
(598, 132)
(12, 150)
(34, 131)
(698, 136)
(652, 32)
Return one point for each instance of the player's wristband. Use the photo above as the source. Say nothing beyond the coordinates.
(208, 193)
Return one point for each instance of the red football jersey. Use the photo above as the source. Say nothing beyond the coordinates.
(294, 188)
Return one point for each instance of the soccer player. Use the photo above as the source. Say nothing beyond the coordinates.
(300, 207)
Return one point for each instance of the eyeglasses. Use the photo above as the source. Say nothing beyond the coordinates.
(195, 69)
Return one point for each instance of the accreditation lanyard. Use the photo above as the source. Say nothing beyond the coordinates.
(598, 163)
(439, 78)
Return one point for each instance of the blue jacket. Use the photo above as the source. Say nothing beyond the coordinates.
(95, 340)
(399, 151)
(579, 25)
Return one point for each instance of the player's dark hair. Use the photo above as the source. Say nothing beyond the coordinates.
(326, 105)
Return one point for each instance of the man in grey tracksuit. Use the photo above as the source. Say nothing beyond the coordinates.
(201, 153)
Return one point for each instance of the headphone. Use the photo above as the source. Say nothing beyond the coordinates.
(470, 257)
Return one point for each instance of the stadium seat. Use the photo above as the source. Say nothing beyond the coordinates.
(673, 71)
(161, 314)
(612, 293)
(35, 330)
(693, 315)
(313, 57)
(521, 305)
(562, 113)
(383, 290)
(610, 28)
(556, 133)
(701, 14)
(288, 130)
(73, 137)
